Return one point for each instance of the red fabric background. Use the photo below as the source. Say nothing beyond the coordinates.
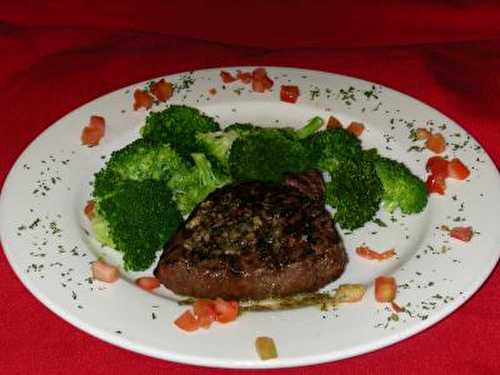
(56, 56)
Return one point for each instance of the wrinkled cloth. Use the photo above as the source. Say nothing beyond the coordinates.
(56, 56)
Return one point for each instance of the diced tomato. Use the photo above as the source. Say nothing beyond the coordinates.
(142, 99)
(422, 134)
(226, 311)
(212, 91)
(333, 123)
(461, 233)
(397, 309)
(204, 310)
(289, 94)
(227, 77)
(258, 86)
(385, 289)
(436, 143)
(366, 252)
(148, 282)
(437, 165)
(162, 89)
(356, 128)
(260, 80)
(94, 131)
(91, 136)
(244, 77)
(187, 322)
(97, 122)
(104, 272)
(436, 184)
(458, 170)
(89, 209)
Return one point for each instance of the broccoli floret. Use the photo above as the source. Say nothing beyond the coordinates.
(331, 147)
(178, 125)
(218, 144)
(401, 187)
(137, 219)
(242, 128)
(267, 156)
(193, 186)
(355, 191)
(142, 160)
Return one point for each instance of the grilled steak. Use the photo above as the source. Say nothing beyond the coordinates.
(253, 240)
(309, 183)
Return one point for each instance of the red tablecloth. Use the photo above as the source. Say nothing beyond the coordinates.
(56, 57)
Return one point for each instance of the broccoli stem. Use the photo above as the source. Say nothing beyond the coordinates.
(203, 165)
(314, 124)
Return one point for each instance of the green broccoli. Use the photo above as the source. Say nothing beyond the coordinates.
(137, 219)
(178, 125)
(135, 213)
(355, 191)
(310, 128)
(218, 144)
(242, 128)
(142, 160)
(267, 156)
(332, 147)
(193, 186)
(401, 187)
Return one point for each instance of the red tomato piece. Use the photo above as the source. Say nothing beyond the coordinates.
(436, 184)
(94, 131)
(104, 272)
(142, 99)
(244, 77)
(385, 289)
(436, 143)
(366, 252)
(89, 209)
(187, 322)
(204, 310)
(227, 77)
(437, 165)
(289, 94)
(97, 122)
(162, 89)
(458, 170)
(260, 80)
(226, 311)
(333, 123)
(258, 86)
(462, 233)
(148, 283)
(356, 128)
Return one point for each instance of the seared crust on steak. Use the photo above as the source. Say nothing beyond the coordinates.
(310, 183)
(253, 240)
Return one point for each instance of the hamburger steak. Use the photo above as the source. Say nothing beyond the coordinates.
(255, 240)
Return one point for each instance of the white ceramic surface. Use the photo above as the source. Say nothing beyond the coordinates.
(43, 230)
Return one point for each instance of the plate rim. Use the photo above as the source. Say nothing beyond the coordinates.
(125, 343)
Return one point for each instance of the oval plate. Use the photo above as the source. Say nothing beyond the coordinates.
(45, 238)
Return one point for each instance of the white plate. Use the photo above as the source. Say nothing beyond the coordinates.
(43, 229)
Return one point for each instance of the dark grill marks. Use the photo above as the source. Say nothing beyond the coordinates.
(254, 240)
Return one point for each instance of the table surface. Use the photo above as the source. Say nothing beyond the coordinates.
(57, 57)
